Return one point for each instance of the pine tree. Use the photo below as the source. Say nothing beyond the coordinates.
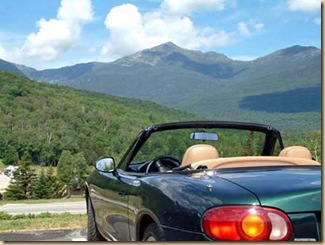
(22, 184)
(58, 189)
(42, 188)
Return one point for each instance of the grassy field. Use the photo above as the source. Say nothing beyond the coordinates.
(30, 201)
(43, 221)
(38, 169)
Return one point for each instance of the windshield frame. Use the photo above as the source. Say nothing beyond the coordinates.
(272, 135)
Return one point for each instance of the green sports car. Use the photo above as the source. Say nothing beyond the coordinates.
(206, 181)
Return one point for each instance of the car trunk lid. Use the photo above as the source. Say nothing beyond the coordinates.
(295, 190)
(292, 189)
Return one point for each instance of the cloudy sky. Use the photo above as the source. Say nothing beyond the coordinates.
(54, 33)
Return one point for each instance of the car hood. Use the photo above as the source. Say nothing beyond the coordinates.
(292, 189)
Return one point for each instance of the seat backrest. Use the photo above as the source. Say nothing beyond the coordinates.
(296, 151)
(198, 153)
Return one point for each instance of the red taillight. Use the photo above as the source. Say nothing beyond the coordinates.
(250, 223)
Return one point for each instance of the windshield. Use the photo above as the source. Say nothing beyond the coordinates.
(228, 142)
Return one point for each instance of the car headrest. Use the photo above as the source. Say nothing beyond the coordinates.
(296, 151)
(198, 153)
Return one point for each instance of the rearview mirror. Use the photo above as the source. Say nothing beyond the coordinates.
(105, 164)
(204, 136)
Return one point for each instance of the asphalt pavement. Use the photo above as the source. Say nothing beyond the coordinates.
(37, 208)
(51, 235)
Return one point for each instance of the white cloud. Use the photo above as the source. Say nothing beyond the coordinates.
(249, 28)
(55, 36)
(304, 5)
(258, 26)
(75, 11)
(182, 7)
(131, 31)
(126, 31)
(242, 27)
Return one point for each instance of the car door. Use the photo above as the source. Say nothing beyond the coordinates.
(109, 197)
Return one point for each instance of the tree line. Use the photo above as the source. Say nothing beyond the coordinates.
(43, 124)
(40, 121)
(70, 174)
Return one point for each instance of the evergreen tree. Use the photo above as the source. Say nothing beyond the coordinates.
(48, 186)
(10, 156)
(58, 189)
(22, 185)
(72, 169)
(42, 188)
(81, 172)
(65, 169)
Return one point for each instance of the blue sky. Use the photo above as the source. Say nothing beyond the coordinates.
(55, 33)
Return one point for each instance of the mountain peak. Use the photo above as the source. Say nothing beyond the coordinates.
(168, 45)
(296, 50)
(151, 56)
(167, 52)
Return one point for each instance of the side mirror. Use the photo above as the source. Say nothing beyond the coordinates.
(105, 164)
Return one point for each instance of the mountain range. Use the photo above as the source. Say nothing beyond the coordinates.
(282, 89)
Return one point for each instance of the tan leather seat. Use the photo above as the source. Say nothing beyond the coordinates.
(198, 153)
(296, 151)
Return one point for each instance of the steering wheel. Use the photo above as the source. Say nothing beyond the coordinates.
(162, 164)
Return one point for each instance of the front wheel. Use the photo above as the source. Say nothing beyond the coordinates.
(92, 231)
(153, 233)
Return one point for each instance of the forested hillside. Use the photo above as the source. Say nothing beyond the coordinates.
(38, 121)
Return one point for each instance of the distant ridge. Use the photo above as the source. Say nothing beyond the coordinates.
(208, 84)
(5, 65)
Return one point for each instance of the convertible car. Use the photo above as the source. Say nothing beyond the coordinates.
(206, 181)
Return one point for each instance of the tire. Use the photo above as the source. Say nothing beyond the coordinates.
(92, 231)
(153, 233)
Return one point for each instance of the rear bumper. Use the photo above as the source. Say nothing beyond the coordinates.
(306, 226)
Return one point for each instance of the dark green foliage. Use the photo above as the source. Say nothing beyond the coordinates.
(57, 189)
(293, 101)
(48, 186)
(46, 119)
(22, 185)
(10, 155)
(43, 120)
(42, 188)
(72, 170)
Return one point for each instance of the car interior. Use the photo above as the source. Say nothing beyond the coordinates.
(206, 154)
